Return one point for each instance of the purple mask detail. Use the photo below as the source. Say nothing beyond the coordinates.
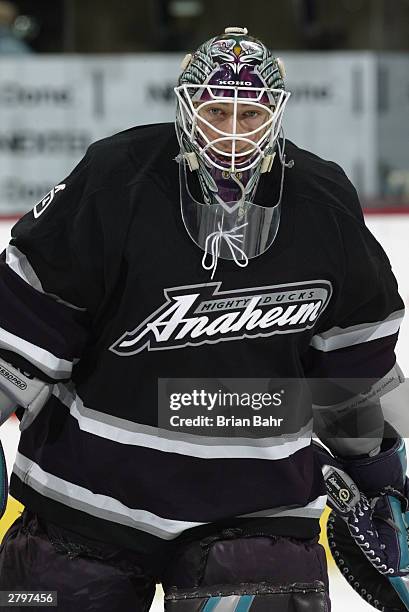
(228, 190)
(227, 75)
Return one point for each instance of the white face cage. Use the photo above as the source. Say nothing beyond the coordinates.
(259, 142)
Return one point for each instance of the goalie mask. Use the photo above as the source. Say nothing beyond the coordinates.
(230, 102)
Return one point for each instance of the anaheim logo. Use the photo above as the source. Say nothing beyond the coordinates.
(201, 314)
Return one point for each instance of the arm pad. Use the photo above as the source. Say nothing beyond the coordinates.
(351, 431)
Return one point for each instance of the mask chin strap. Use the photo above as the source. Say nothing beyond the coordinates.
(243, 190)
(213, 240)
(212, 247)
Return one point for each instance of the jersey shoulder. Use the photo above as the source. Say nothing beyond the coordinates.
(135, 155)
(324, 186)
(322, 182)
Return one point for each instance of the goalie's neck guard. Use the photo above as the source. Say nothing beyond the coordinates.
(239, 229)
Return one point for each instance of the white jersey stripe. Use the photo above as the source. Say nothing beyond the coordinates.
(337, 337)
(312, 510)
(18, 262)
(101, 506)
(204, 447)
(44, 360)
(110, 509)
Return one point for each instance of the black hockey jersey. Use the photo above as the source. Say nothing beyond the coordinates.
(103, 293)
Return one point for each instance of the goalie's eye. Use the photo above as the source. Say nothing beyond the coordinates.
(215, 112)
(251, 114)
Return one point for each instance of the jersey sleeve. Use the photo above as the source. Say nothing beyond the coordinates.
(50, 281)
(351, 358)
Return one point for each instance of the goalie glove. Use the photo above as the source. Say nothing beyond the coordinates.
(367, 530)
(17, 388)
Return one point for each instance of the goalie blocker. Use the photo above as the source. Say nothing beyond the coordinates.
(18, 388)
(368, 528)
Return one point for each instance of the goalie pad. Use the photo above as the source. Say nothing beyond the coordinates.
(368, 530)
(236, 571)
(18, 388)
(261, 597)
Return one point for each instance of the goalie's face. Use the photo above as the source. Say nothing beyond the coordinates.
(247, 123)
(230, 127)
